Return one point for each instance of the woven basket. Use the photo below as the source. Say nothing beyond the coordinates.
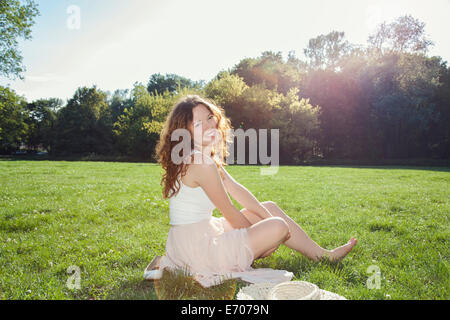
(294, 290)
(260, 291)
(256, 291)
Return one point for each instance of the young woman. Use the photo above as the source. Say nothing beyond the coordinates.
(211, 247)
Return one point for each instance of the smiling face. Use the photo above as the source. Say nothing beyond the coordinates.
(203, 127)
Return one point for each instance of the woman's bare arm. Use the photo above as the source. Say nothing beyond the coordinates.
(208, 177)
(245, 198)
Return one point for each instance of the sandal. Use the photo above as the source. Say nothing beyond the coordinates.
(152, 271)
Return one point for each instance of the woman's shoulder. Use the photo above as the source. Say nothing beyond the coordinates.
(200, 165)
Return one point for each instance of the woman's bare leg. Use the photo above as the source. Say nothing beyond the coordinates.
(267, 235)
(253, 218)
(299, 240)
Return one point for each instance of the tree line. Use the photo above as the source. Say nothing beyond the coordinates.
(385, 100)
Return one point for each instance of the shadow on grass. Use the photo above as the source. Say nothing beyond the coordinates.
(174, 285)
(134, 290)
(178, 285)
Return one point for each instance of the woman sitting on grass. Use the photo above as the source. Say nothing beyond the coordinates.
(208, 246)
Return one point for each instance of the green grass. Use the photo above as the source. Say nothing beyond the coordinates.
(109, 220)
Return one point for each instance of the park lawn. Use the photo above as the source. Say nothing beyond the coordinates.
(108, 219)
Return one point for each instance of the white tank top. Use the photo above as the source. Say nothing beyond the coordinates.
(189, 205)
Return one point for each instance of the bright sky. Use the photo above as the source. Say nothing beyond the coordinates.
(119, 42)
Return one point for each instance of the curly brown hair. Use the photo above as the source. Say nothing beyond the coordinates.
(180, 117)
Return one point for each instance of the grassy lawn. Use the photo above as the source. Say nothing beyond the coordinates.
(108, 220)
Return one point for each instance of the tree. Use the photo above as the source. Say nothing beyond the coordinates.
(338, 95)
(84, 125)
(440, 129)
(41, 120)
(270, 71)
(325, 51)
(137, 130)
(298, 122)
(246, 106)
(262, 70)
(16, 20)
(404, 34)
(119, 101)
(13, 127)
(225, 91)
(400, 91)
(171, 82)
(256, 107)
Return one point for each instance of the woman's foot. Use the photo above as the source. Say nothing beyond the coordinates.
(340, 252)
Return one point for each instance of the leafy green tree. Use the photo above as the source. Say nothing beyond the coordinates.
(171, 82)
(338, 95)
(325, 51)
(440, 129)
(375, 103)
(260, 71)
(270, 71)
(41, 120)
(137, 129)
(226, 91)
(16, 20)
(256, 107)
(119, 101)
(84, 124)
(246, 106)
(402, 108)
(13, 127)
(298, 122)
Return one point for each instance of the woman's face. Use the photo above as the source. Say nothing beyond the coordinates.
(203, 127)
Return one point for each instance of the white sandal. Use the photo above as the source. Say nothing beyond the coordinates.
(152, 271)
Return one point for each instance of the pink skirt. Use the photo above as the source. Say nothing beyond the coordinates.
(212, 251)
